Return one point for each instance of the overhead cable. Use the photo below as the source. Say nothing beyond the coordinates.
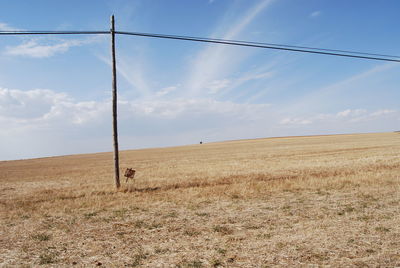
(302, 49)
(267, 46)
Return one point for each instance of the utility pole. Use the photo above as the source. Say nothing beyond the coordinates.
(114, 103)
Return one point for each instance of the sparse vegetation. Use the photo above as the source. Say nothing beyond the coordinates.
(41, 237)
(323, 201)
(47, 258)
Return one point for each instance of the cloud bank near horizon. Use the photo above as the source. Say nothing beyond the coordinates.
(56, 123)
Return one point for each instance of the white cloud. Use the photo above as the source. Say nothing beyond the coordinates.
(351, 113)
(166, 91)
(217, 85)
(30, 104)
(6, 27)
(62, 125)
(348, 116)
(315, 14)
(383, 112)
(44, 122)
(43, 106)
(295, 121)
(186, 107)
(34, 49)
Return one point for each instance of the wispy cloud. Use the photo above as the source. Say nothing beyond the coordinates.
(217, 85)
(323, 95)
(34, 49)
(7, 27)
(316, 14)
(225, 86)
(250, 15)
(166, 91)
(131, 72)
(343, 117)
(215, 62)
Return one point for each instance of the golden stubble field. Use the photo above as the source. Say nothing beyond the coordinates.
(298, 201)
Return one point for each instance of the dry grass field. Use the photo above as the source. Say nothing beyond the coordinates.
(297, 201)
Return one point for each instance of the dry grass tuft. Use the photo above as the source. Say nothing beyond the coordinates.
(323, 200)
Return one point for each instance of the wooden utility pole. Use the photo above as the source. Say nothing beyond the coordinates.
(114, 103)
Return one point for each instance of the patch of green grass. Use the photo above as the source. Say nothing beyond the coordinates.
(120, 212)
(365, 218)
(347, 209)
(221, 251)
(41, 237)
(252, 227)
(216, 263)
(47, 258)
(154, 225)
(382, 229)
(202, 214)
(264, 235)
(137, 260)
(172, 214)
(90, 214)
(235, 196)
(139, 224)
(161, 250)
(222, 229)
(191, 232)
(191, 264)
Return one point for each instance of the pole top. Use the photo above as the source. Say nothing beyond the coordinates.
(112, 23)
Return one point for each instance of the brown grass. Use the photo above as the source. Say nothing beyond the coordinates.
(323, 200)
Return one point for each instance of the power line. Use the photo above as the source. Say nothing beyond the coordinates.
(51, 32)
(313, 48)
(263, 45)
(302, 49)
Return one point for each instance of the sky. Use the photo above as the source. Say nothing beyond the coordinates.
(55, 91)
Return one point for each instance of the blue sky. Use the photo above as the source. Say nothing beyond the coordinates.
(55, 91)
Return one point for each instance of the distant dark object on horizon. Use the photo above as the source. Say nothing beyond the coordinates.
(201, 142)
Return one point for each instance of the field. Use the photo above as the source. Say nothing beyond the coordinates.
(296, 201)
